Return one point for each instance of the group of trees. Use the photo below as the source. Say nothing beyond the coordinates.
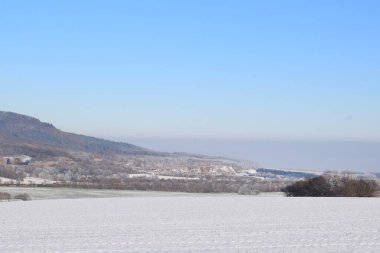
(10, 173)
(21, 196)
(203, 185)
(332, 184)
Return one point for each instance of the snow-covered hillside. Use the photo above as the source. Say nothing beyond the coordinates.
(191, 224)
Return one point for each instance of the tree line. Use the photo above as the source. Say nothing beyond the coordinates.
(334, 184)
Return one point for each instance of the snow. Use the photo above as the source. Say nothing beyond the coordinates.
(37, 180)
(191, 223)
(146, 175)
(5, 180)
(222, 170)
(177, 178)
(27, 181)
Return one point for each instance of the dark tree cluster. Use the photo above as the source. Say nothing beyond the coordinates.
(5, 196)
(11, 173)
(334, 185)
(21, 196)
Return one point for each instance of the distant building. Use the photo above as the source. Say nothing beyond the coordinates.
(17, 160)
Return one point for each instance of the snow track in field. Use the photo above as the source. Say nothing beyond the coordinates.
(191, 224)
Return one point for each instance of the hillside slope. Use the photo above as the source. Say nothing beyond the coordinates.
(30, 136)
(32, 148)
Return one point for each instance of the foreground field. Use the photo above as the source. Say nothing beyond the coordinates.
(191, 224)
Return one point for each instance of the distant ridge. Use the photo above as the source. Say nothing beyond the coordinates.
(27, 135)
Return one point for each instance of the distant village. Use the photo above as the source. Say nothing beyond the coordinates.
(150, 173)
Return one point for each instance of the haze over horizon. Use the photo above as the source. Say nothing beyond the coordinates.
(267, 76)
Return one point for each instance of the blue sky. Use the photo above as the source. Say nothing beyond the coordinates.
(294, 70)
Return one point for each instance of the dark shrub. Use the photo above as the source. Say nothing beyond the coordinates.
(5, 196)
(23, 196)
(317, 187)
(247, 189)
(334, 185)
(360, 188)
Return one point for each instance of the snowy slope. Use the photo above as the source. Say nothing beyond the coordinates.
(191, 224)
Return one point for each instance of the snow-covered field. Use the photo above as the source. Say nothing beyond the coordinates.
(191, 224)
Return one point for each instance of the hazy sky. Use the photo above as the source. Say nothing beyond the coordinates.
(232, 69)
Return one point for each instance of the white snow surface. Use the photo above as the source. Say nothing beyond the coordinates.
(37, 180)
(191, 224)
(5, 180)
(27, 181)
(177, 178)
